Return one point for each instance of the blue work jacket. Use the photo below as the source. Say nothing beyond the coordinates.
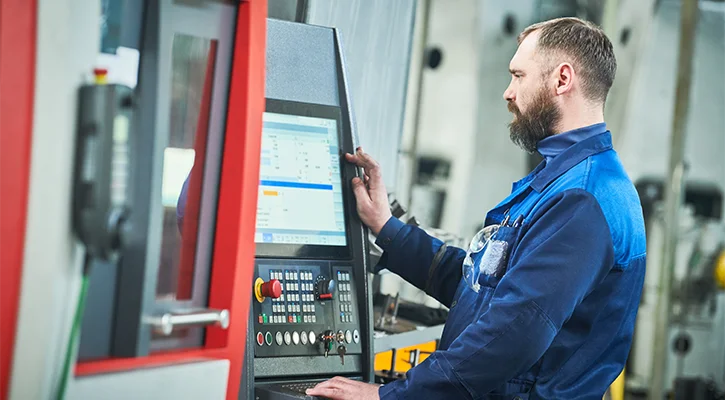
(554, 318)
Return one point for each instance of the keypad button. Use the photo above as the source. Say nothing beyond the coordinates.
(287, 338)
(313, 337)
(303, 337)
(295, 338)
(348, 336)
(278, 338)
(260, 338)
(268, 338)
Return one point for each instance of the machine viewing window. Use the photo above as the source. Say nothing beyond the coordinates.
(300, 209)
(192, 70)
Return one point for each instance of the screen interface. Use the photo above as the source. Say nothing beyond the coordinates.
(300, 192)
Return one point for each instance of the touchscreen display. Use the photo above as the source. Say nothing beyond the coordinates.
(300, 192)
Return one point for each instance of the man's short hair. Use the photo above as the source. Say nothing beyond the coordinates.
(590, 49)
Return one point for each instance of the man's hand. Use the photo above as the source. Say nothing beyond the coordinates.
(371, 196)
(339, 388)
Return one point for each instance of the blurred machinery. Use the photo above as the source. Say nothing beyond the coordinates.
(696, 349)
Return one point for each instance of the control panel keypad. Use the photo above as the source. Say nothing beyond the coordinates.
(307, 309)
(345, 296)
(296, 305)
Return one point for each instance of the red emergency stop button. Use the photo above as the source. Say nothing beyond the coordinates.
(260, 338)
(272, 289)
(263, 289)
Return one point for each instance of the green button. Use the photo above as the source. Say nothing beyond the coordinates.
(299, 319)
(264, 318)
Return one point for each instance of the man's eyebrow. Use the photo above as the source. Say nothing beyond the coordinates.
(514, 71)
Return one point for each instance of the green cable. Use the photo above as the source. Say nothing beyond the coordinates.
(75, 331)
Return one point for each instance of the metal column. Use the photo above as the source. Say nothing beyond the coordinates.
(674, 194)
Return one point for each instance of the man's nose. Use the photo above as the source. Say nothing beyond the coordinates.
(508, 94)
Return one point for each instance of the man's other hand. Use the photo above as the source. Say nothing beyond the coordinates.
(371, 196)
(339, 388)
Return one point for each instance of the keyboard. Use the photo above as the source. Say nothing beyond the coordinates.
(286, 391)
(300, 387)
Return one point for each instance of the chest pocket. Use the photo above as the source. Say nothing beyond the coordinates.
(493, 261)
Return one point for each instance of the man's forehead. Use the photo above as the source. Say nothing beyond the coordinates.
(526, 50)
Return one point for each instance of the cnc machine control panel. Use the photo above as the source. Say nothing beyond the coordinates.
(310, 315)
(307, 309)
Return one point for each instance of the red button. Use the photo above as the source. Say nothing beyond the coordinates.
(261, 320)
(290, 319)
(260, 338)
(272, 289)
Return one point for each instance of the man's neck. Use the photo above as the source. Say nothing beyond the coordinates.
(576, 119)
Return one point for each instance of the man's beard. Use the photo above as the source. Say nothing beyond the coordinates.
(538, 123)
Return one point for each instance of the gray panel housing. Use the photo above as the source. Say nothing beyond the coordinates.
(377, 37)
(300, 70)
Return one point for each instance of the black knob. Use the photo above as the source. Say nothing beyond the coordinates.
(325, 288)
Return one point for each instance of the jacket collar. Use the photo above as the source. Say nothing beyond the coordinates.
(571, 156)
(557, 144)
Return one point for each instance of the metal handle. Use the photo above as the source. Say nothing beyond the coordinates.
(165, 324)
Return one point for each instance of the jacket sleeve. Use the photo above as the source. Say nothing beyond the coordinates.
(565, 252)
(420, 259)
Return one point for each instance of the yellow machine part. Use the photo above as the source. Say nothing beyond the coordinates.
(720, 271)
(616, 391)
(402, 358)
(402, 365)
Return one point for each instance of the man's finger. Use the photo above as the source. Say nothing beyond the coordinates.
(361, 194)
(361, 159)
(354, 159)
(332, 393)
(335, 388)
(372, 170)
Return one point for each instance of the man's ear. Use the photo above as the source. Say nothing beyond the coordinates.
(564, 78)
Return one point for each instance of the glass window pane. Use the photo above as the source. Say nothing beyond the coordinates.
(192, 70)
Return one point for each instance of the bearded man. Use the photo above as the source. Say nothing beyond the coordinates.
(543, 302)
